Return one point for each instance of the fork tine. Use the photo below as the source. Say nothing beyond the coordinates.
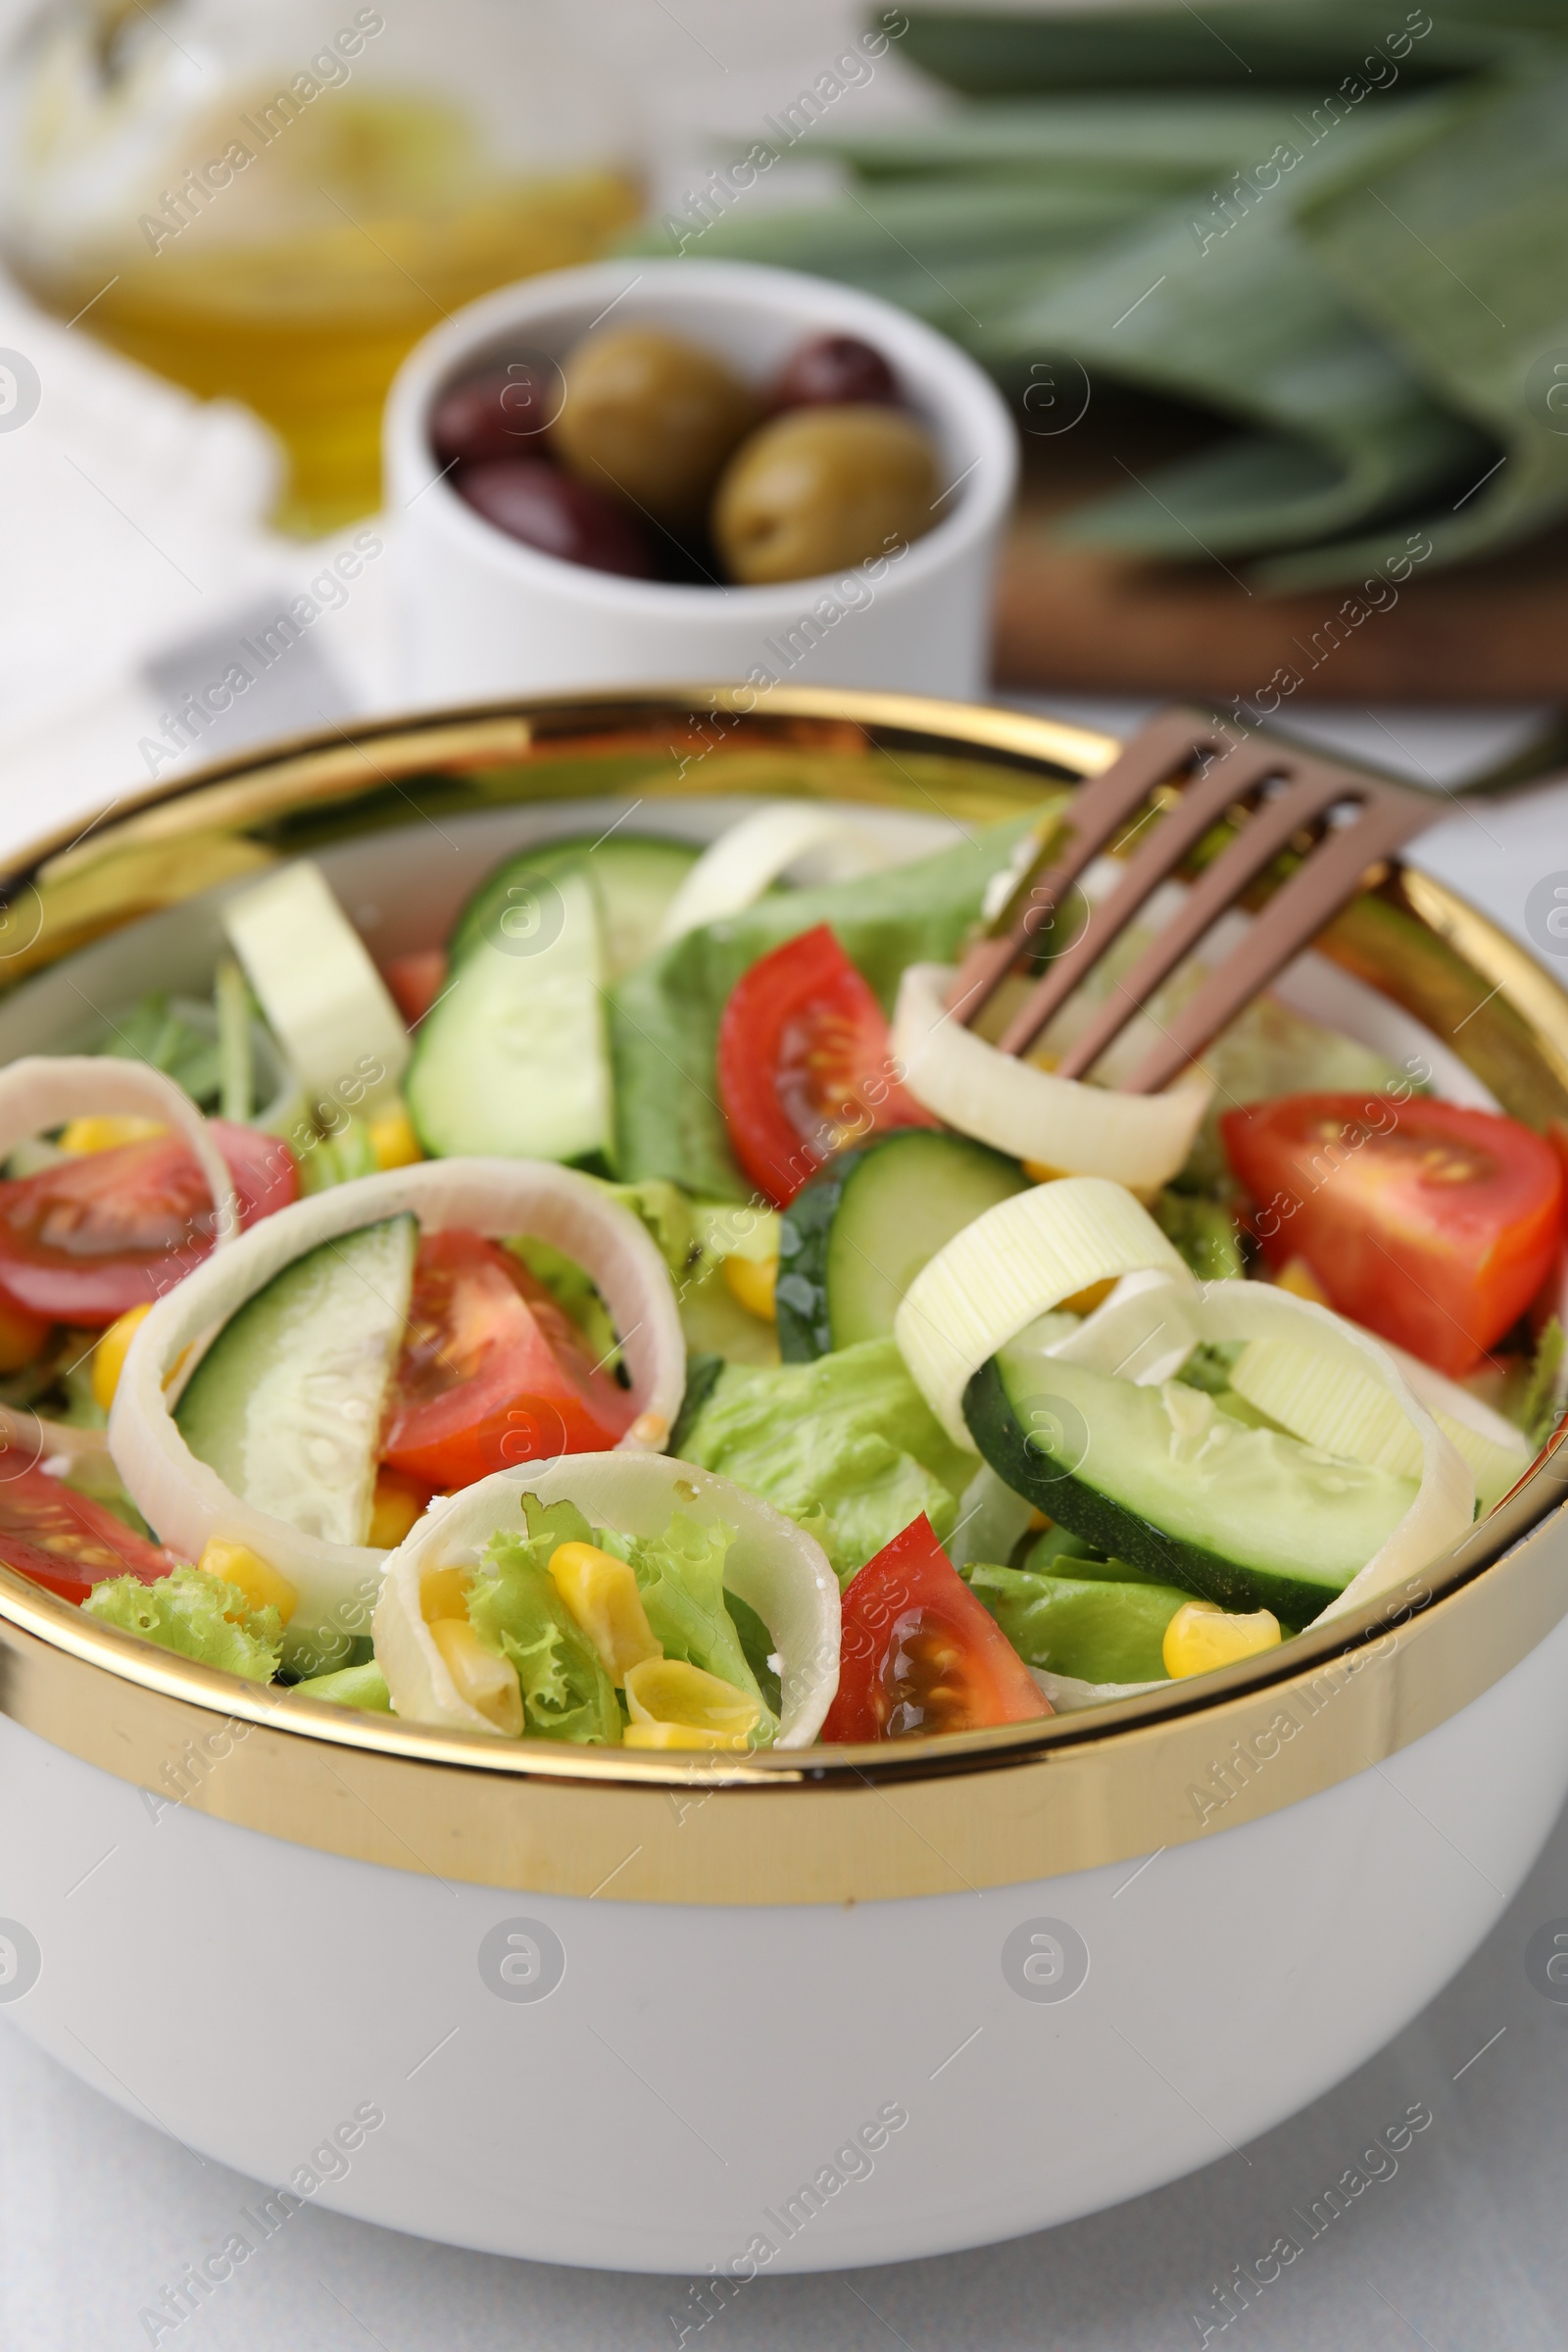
(1327, 879)
(1265, 833)
(1243, 771)
(1169, 744)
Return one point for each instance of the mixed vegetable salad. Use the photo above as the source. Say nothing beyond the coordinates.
(647, 1318)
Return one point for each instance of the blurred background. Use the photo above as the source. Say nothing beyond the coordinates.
(1274, 292)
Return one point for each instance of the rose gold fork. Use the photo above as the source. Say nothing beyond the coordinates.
(1343, 821)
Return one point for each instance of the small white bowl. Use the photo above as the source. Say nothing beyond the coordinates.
(483, 615)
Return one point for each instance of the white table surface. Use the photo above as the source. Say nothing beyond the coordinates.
(1463, 2249)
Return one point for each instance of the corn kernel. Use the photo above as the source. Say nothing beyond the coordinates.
(601, 1592)
(751, 1280)
(398, 1505)
(1300, 1280)
(444, 1592)
(1201, 1637)
(83, 1135)
(258, 1581)
(681, 1735)
(1085, 1301)
(489, 1684)
(393, 1140)
(109, 1356)
(666, 1695)
(21, 1335)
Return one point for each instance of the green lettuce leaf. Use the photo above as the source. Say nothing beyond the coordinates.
(156, 1033)
(1083, 1626)
(666, 1213)
(200, 1616)
(516, 1612)
(1539, 1404)
(1205, 1234)
(337, 1159)
(574, 1292)
(846, 1445)
(664, 1015)
(680, 1576)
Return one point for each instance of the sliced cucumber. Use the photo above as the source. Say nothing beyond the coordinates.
(854, 1238)
(1085, 1627)
(1247, 1517)
(286, 1405)
(636, 876)
(511, 1062)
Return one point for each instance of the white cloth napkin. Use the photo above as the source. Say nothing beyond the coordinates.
(138, 568)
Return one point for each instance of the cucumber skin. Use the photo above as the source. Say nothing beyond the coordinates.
(1295, 1600)
(212, 1414)
(800, 1295)
(803, 1306)
(550, 858)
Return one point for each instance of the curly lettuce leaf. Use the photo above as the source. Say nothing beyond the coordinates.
(198, 1615)
(680, 1576)
(517, 1613)
(846, 1445)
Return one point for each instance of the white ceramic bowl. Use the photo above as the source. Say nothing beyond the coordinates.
(481, 616)
(786, 2013)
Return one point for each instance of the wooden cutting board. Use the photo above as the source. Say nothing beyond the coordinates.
(1084, 621)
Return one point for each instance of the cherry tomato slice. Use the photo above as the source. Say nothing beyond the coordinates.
(1432, 1225)
(919, 1653)
(492, 1372)
(416, 981)
(806, 1065)
(67, 1542)
(85, 1240)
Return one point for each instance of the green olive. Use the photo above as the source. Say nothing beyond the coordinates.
(821, 490)
(651, 418)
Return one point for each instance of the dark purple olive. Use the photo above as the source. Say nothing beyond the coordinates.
(833, 372)
(528, 500)
(492, 415)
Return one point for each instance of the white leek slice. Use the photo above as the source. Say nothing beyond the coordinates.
(1498, 1453)
(748, 859)
(1444, 1507)
(324, 1000)
(1123, 1339)
(1344, 1411)
(1067, 1692)
(1024, 1255)
(991, 1520)
(43, 1091)
(1138, 1140)
(772, 1565)
(188, 1503)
